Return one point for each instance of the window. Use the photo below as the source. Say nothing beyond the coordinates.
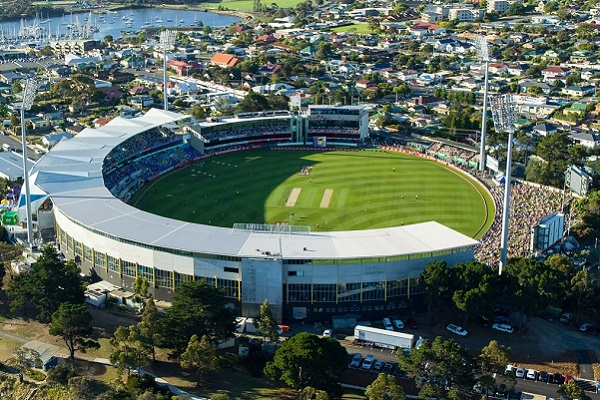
(373, 291)
(299, 292)
(182, 278)
(87, 253)
(349, 291)
(99, 259)
(163, 278)
(128, 268)
(78, 249)
(229, 286)
(113, 264)
(231, 269)
(322, 292)
(147, 272)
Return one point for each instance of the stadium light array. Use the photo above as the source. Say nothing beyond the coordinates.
(483, 52)
(31, 87)
(503, 114)
(167, 40)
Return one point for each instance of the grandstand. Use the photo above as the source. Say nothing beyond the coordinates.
(339, 124)
(304, 275)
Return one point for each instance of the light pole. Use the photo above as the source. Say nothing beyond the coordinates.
(503, 113)
(29, 91)
(167, 39)
(483, 51)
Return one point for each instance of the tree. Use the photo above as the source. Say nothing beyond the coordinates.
(149, 326)
(199, 112)
(384, 388)
(140, 286)
(434, 280)
(310, 393)
(129, 349)
(266, 322)
(443, 359)
(73, 323)
(494, 356)
(309, 360)
(531, 286)
(572, 391)
(582, 291)
(475, 292)
(50, 282)
(253, 102)
(200, 356)
(198, 309)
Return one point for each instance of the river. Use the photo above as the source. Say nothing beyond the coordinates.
(115, 24)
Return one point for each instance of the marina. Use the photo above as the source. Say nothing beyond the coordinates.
(39, 31)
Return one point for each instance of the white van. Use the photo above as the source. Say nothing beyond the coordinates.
(6, 147)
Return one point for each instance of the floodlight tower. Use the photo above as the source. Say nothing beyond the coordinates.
(483, 52)
(31, 87)
(503, 113)
(167, 40)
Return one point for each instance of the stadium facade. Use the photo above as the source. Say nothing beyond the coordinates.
(82, 186)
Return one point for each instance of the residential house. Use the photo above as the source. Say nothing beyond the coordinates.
(583, 57)
(53, 138)
(499, 6)
(544, 129)
(224, 60)
(184, 68)
(420, 29)
(363, 84)
(589, 140)
(526, 84)
(269, 69)
(579, 91)
(133, 62)
(9, 77)
(40, 123)
(141, 101)
(516, 69)
(498, 68)
(101, 121)
(554, 72)
(575, 108)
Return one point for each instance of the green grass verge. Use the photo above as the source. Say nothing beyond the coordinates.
(357, 28)
(248, 5)
(369, 189)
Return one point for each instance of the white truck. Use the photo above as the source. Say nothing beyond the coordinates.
(383, 338)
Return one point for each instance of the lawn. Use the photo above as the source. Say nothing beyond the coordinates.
(248, 5)
(358, 28)
(342, 191)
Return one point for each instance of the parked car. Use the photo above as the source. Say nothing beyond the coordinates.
(543, 376)
(510, 369)
(559, 379)
(546, 315)
(367, 363)
(586, 326)
(327, 332)
(356, 359)
(412, 323)
(550, 378)
(456, 329)
(378, 366)
(566, 318)
(388, 324)
(398, 323)
(503, 328)
(532, 374)
(501, 319)
(388, 368)
(520, 372)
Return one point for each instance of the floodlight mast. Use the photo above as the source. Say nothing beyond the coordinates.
(29, 91)
(503, 113)
(167, 40)
(483, 52)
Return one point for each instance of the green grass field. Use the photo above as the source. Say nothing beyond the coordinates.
(367, 189)
(247, 5)
(358, 28)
